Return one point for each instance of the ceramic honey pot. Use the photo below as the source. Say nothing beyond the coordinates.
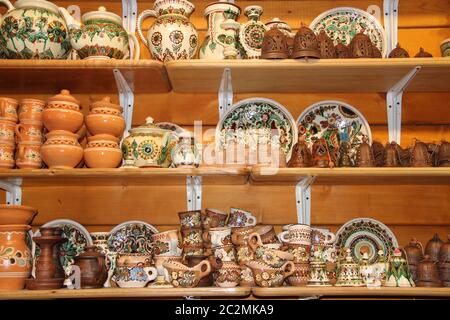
(61, 150)
(62, 112)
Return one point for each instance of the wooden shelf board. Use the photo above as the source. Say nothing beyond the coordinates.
(350, 292)
(124, 293)
(332, 75)
(352, 175)
(80, 76)
(126, 176)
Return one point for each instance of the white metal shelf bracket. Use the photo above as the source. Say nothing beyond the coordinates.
(303, 200)
(394, 105)
(225, 92)
(129, 19)
(13, 188)
(194, 192)
(126, 97)
(390, 8)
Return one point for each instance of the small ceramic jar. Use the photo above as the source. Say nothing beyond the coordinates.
(61, 150)
(28, 155)
(62, 112)
(8, 109)
(7, 155)
(102, 151)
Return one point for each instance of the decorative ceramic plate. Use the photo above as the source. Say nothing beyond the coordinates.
(132, 237)
(255, 120)
(366, 235)
(335, 121)
(343, 23)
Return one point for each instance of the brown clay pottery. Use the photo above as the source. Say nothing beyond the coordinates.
(93, 268)
(326, 46)
(420, 156)
(213, 218)
(428, 273)
(31, 109)
(398, 52)
(207, 281)
(228, 276)
(28, 155)
(7, 155)
(444, 252)
(266, 276)
(444, 263)
(8, 109)
(306, 44)
(102, 151)
(7, 130)
(321, 154)
(361, 46)
(16, 214)
(378, 151)
(443, 158)
(105, 106)
(301, 156)
(15, 257)
(423, 54)
(267, 234)
(342, 51)
(300, 276)
(433, 247)
(62, 112)
(391, 158)
(364, 154)
(29, 130)
(61, 150)
(345, 159)
(414, 254)
(186, 277)
(275, 45)
(376, 52)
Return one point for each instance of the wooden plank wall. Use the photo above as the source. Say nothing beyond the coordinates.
(409, 210)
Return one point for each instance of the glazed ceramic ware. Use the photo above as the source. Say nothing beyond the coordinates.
(213, 218)
(136, 276)
(192, 237)
(445, 48)
(100, 36)
(185, 154)
(240, 218)
(7, 131)
(266, 276)
(61, 150)
(267, 234)
(7, 155)
(31, 109)
(105, 123)
(349, 273)
(271, 257)
(186, 277)
(102, 151)
(163, 279)
(226, 253)
(62, 112)
(166, 243)
(15, 257)
(218, 236)
(93, 268)
(300, 252)
(172, 36)
(216, 264)
(190, 219)
(148, 146)
(228, 275)
(239, 236)
(398, 274)
(16, 214)
(297, 234)
(8, 109)
(45, 37)
(300, 276)
(28, 155)
(29, 130)
(322, 236)
(251, 33)
(132, 237)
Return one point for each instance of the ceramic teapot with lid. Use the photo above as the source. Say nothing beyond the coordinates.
(33, 29)
(94, 271)
(100, 35)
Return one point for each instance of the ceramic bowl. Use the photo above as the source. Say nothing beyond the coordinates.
(102, 157)
(15, 214)
(134, 276)
(106, 124)
(62, 119)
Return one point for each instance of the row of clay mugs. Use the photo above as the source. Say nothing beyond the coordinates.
(134, 271)
(30, 109)
(305, 235)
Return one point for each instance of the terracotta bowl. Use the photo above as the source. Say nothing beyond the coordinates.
(61, 156)
(62, 119)
(105, 123)
(102, 157)
(15, 214)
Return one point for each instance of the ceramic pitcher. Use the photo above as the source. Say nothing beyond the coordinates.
(172, 36)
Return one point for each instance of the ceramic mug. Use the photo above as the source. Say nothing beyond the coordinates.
(166, 243)
(297, 233)
(197, 250)
(271, 257)
(190, 219)
(300, 252)
(267, 234)
(29, 130)
(28, 155)
(225, 253)
(228, 276)
(300, 276)
(218, 236)
(213, 218)
(240, 218)
(31, 109)
(8, 109)
(7, 155)
(134, 276)
(192, 237)
(266, 276)
(322, 236)
(7, 129)
(239, 236)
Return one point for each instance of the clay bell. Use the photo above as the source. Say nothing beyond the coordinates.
(420, 156)
(428, 273)
(398, 52)
(364, 154)
(423, 54)
(301, 156)
(326, 46)
(376, 52)
(306, 44)
(345, 159)
(321, 154)
(391, 158)
(342, 51)
(433, 247)
(361, 46)
(378, 153)
(275, 45)
(444, 154)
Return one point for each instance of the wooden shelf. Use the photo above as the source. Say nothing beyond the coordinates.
(126, 176)
(333, 75)
(350, 292)
(238, 292)
(80, 76)
(352, 175)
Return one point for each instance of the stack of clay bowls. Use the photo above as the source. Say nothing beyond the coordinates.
(63, 119)
(105, 124)
(8, 120)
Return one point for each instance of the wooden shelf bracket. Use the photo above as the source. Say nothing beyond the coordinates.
(303, 200)
(394, 105)
(390, 8)
(13, 188)
(225, 92)
(194, 192)
(126, 97)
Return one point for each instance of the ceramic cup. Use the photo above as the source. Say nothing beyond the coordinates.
(271, 257)
(297, 234)
(445, 48)
(134, 276)
(193, 250)
(239, 236)
(300, 276)
(300, 252)
(163, 276)
(267, 234)
(8, 109)
(190, 219)
(213, 218)
(322, 236)
(225, 253)
(240, 218)
(192, 237)
(247, 279)
(7, 155)
(28, 155)
(244, 254)
(31, 109)
(228, 276)
(218, 236)
(29, 130)
(266, 276)
(7, 128)
(167, 243)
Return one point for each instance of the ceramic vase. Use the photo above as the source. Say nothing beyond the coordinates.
(252, 32)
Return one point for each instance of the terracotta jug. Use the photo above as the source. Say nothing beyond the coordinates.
(93, 268)
(428, 273)
(61, 150)
(433, 247)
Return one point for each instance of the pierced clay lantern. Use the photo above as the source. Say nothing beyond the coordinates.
(444, 154)
(361, 46)
(306, 44)
(342, 51)
(345, 159)
(376, 52)
(301, 156)
(275, 45)
(423, 54)
(321, 155)
(420, 156)
(364, 154)
(398, 52)
(378, 153)
(326, 46)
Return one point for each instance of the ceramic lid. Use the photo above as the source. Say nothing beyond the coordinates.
(37, 4)
(103, 14)
(105, 102)
(149, 126)
(64, 96)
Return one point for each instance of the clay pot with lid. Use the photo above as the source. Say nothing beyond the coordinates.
(61, 150)
(62, 112)
(105, 118)
(433, 247)
(93, 268)
(102, 151)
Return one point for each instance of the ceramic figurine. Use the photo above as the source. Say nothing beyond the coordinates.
(185, 154)
(216, 40)
(286, 29)
(326, 46)
(306, 44)
(321, 154)
(433, 247)
(34, 30)
(423, 54)
(398, 274)
(252, 32)
(428, 273)
(364, 154)
(301, 155)
(367, 271)
(172, 36)
(318, 275)
(380, 269)
(420, 156)
(275, 45)
(361, 46)
(349, 273)
(398, 52)
(62, 150)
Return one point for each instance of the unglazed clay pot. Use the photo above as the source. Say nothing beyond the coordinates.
(62, 112)
(93, 268)
(15, 257)
(7, 128)
(8, 109)
(61, 150)
(102, 151)
(98, 123)
(105, 106)
(16, 214)
(29, 130)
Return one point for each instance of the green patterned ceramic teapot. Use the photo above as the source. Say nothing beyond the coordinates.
(33, 29)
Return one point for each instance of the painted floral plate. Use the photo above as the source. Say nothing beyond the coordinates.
(335, 121)
(132, 237)
(366, 235)
(343, 23)
(254, 120)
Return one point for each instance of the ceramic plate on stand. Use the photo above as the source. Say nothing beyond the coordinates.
(366, 235)
(335, 121)
(343, 23)
(256, 119)
(132, 237)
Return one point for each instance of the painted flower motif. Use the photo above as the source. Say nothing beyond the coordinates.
(174, 275)
(156, 39)
(176, 37)
(193, 41)
(302, 130)
(265, 276)
(175, 283)
(56, 32)
(10, 27)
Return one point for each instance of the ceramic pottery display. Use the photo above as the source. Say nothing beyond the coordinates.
(361, 46)
(433, 247)
(172, 36)
(257, 121)
(62, 112)
(398, 52)
(367, 273)
(398, 274)
(445, 48)
(366, 235)
(102, 151)
(132, 237)
(185, 277)
(34, 30)
(100, 241)
(423, 54)
(344, 23)
(326, 46)
(61, 150)
(185, 154)
(318, 275)
(217, 39)
(380, 269)
(26, 130)
(286, 29)
(334, 121)
(428, 273)
(93, 268)
(270, 257)
(268, 277)
(105, 118)
(207, 281)
(364, 154)
(306, 44)
(275, 45)
(162, 279)
(296, 234)
(300, 276)
(16, 214)
(240, 218)
(148, 146)
(252, 32)
(100, 35)
(8, 109)
(134, 271)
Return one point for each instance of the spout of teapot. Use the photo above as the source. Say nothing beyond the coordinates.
(71, 22)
